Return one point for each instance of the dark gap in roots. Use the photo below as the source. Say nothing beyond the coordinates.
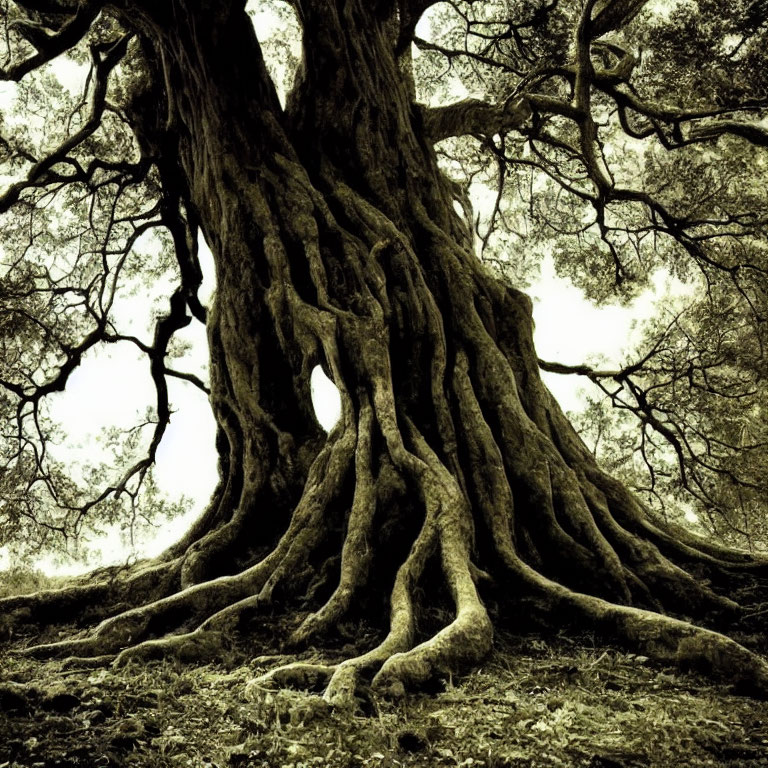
(348, 293)
(750, 628)
(80, 611)
(411, 360)
(576, 571)
(356, 231)
(255, 622)
(564, 520)
(524, 613)
(298, 264)
(434, 608)
(743, 586)
(639, 597)
(396, 525)
(484, 310)
(277, 391)
(258, 266)
(412, 349)
(595, 579)
(324, 577)
(246, 551)
(172, 621)
(323, 566)
(432, 250)
(525, 546)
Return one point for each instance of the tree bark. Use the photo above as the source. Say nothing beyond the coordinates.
(452, 469)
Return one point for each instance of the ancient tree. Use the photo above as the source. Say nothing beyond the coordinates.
(453, 495)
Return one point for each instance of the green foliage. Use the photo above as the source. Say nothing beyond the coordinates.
(700, 453)
(80, 235)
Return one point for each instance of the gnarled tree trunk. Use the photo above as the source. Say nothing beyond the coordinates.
(452, 469)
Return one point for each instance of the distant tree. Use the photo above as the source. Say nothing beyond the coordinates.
(621, 136)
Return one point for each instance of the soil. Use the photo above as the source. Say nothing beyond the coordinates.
(534, 703)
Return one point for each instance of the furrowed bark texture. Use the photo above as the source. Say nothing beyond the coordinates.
(452, 470)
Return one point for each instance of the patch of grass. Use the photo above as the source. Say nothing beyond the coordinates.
(22, 580)
(534, 704)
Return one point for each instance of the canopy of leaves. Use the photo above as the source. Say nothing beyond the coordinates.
(642, 154)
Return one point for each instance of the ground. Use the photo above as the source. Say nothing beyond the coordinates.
(535, 703)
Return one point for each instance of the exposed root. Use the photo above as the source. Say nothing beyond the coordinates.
(357, 551)
(199, 602)
(465, 641)
(670, 538)
(438, 375)
(298, 674)
(130, 627)
(199, 647)
(677, 642)
(666, 582)
(468, 638)
(500, 496)
(94, 596)
(655, 635)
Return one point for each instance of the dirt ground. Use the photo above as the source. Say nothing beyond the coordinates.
(534, 703)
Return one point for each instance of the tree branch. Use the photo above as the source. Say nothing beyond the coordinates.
(190, 377)
(411, 12)
(39, 174)
(609, 15)
(753, 132)
(475, 117)
(49, 46)
(579, 370)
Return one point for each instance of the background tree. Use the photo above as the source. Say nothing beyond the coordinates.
(453, 493)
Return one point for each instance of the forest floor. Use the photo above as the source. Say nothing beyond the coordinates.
(535, 703)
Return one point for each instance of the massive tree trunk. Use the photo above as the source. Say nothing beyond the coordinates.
(452, 478)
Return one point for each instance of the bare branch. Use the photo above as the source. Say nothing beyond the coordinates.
(51, 45)
(190, 377)
(609, 15)
(475, 117)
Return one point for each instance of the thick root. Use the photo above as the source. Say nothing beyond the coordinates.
(299, 674)
(462, 644)
(655, 635)
(357, 551)
(680, 643)
(543, 525)
(198, 647)
(93, 596)
(129, 628)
